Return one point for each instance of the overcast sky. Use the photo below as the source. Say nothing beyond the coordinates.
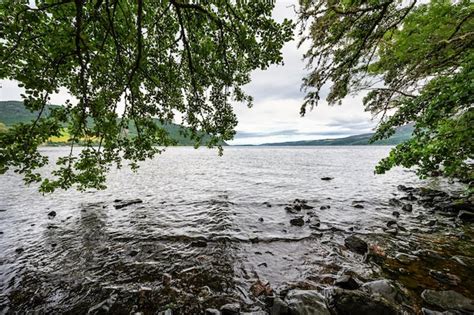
(277, 101)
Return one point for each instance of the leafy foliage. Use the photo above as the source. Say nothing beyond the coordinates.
(134, 60)
(3, 128)
(416, 63)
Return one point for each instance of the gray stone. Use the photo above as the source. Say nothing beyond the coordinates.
(407, 207)
(212, 311)
(405, 258)
(448, 300)
(466, 216)
(306, 302)
(297, 221)
(356, 245)
(355, 302)
(230, 309)
(346, 282)
(279, 307)
(386, 289)
(126, 203)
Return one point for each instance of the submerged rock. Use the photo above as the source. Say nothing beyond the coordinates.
(125, 203)
(325, 207)
(356, 245)
(394, 202)
(327, 178)
(407, 207)
(358, 206)
(299, 221)
(448, 300)
(355, 302)
(396, 214)
(52, 214)
(212, 311)
(346, 282)
(305, 302)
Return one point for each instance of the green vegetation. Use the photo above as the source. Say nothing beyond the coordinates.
(14, 112)
(415, 61)
(402, 134)
(148, 60)
(3, 128)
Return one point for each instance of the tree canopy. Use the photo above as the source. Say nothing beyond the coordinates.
(3, 128)
(127, 62)
(415, 63)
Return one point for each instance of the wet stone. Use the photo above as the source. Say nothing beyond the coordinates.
(358, 206)
(133, 253)
(52, 214)
(426, 311)
(357, 302)
(446, 278)
(386, 289)
(448, 300)
(346, 282)
(19, 250)
(230, 309)
(356, 245)
(327, 178)
(407, 207)
(212, 311)
(305, 302)
(391, 222)
(466, 216)
(396, 214)
(297, 221)
(125, 203)
(325, 207)
(392, 231)
(199, 243)
(405, 258)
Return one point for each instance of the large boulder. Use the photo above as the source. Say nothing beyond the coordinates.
(355, 302)
(448, 300)
(306, 302)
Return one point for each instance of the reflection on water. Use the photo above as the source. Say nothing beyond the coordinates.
(209, 227)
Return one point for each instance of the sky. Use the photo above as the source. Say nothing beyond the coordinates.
(277, 100)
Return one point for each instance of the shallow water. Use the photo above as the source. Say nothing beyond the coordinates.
(91, 250)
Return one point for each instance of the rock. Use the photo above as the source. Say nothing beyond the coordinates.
(166, 279)
(464, 260)
(406, 258)
(409, 197)
(259, 288)
(359, 206)
(19, 250)
(52, 214)
(391, 222)
(356, 245)
(431, 222)
(306, 207)
(426, 311)
(306, 302)
(448, 300)
(133, 253)
(355, 302)
(386, 289)
(166, 312)
(346, 282)
(396, 214)
(254, 313)
(325, 207)
(104, 306)
(327, 178)
(125, 203)
(279, 307)
(198, 243)
(212, 311)
(297, 221)
(394, 202)
(405, 188)
(297, 207)
(230, 309)
(446, 278)
(407, 207)
(466, 216)
(260, 219)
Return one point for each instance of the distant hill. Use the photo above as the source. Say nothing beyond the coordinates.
(402, 134)
(13, 112)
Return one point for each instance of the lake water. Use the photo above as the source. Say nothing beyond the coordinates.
(234, 204)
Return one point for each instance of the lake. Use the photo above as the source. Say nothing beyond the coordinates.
(209, 227)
